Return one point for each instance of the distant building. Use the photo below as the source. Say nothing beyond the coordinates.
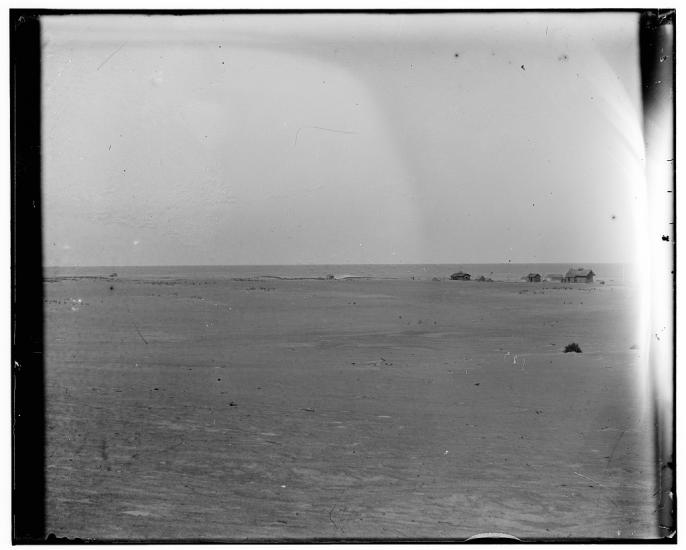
(579, 275)
(460, 276)
(534, 277)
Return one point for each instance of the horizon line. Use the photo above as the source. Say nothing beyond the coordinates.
(337, 264)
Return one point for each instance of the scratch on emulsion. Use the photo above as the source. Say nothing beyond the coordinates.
(297, 134)
(111, 56)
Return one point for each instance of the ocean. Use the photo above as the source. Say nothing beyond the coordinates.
(507, 272)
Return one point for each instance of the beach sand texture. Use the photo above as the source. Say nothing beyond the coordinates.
(230, 410)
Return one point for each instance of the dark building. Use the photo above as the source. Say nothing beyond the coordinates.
(579, 275)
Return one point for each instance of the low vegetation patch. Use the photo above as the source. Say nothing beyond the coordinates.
(573, 347)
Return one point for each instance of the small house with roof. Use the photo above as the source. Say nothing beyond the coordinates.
(534, 277)
(460, 276)
(579, 275)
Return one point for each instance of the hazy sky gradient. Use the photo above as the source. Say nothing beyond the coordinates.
(341, 139)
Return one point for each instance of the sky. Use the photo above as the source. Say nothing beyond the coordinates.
(329, 139)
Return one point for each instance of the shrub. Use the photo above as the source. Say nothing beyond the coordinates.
(573, 347)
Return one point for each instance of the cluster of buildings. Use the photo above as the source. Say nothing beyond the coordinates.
(578, 275)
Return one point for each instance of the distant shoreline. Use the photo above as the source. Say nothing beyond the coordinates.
(485, 273)
(187, 266)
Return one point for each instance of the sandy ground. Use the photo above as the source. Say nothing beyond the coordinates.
(344, 409)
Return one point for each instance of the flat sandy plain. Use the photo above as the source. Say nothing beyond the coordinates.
(223, 409)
